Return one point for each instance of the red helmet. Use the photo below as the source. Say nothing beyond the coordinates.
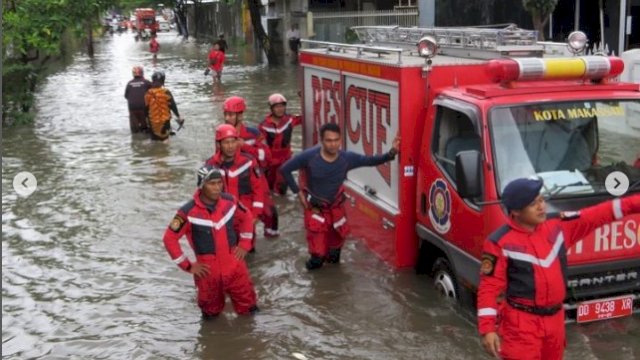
(225, 131)
(234, 104)
(277, 98)
(137, 71)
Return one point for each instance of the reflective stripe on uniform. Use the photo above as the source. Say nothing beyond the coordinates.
(318, 218)
(239, 170)
(225, 219)
(546, 262)
(487, 312)
(246, 235)
(182, 258)
(340, 222)
(203, 222)
(257, 204)
(278, 130)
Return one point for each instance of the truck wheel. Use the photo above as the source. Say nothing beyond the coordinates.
(444, 280)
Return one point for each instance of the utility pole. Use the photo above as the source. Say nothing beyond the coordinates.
(426, 13)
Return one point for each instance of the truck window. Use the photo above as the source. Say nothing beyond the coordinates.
(454, 133)
(572, 146)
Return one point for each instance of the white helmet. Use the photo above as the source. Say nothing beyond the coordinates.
(277, 98)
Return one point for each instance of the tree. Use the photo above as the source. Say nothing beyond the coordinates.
(258, 30)
(32, 34)
(540, 11)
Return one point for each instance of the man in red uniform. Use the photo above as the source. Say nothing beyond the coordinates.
(525, 262)
(219, 230)
(323, 170)
(251, 143)
(240, 171)
(277, 128)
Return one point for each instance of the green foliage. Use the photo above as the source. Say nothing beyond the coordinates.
(32, 32)
(541, 8)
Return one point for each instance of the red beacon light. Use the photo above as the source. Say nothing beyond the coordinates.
(540, 69)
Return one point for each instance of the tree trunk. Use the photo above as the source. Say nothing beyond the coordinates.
(538, 24)
(90, 51)
(258, 30)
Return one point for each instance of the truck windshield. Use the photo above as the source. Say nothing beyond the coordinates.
(572, 146)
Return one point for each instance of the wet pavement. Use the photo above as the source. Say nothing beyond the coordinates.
(85, 274)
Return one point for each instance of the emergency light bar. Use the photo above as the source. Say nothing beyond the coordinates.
(527, 69)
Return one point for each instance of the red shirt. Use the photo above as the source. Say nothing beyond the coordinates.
(216, 60)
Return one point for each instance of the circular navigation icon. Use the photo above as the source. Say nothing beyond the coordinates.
(617, 183)
(24, 183)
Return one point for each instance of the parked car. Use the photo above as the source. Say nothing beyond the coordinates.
(164, 26)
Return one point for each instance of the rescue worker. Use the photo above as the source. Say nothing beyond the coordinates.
(277, 129)
(240, 171)
(323, 171)
(159, 104)
(134, 93)
(523, 271)
(251, 143)
(218, 229)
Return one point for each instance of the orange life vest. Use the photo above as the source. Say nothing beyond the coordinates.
(157, 101)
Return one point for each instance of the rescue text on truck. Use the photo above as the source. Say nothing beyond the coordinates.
(476, 108)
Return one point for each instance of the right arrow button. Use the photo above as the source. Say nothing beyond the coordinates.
(617, 183)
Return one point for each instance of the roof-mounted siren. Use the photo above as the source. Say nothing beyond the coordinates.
(577, 42)
(593, 68)
(427, 47)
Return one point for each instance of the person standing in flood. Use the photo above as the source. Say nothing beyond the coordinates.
(134, 93)
(323, 170)
(523, 271)
(277, 129)
(222, 43)
(159, 104)
(219, 230)
(216, 62)
(293, 36)
(154, 45)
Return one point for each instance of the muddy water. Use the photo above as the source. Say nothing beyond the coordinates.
(85, 274)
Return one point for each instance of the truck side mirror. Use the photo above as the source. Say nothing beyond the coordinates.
(468, 174)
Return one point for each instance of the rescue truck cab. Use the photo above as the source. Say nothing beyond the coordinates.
(475, 109)
(146, 23)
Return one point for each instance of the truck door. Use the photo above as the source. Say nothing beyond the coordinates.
(456, 223)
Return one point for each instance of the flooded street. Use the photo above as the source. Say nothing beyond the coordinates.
(85, 273)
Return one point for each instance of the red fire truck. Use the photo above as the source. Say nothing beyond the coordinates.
(146, 22)
(476, 108)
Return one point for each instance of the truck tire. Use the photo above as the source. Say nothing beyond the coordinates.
(444, 280)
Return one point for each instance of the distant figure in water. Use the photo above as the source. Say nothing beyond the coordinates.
(154, 46)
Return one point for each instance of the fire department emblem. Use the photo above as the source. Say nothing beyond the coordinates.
(440, 206)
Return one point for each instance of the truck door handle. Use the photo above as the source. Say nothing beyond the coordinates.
(387, 224)
(352, 200)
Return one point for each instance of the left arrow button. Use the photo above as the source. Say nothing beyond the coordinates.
(25, 183)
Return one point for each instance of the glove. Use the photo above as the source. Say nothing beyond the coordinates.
(206, 72)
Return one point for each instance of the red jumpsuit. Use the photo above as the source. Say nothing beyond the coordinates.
(326, 225)
(242, 180)
(213, 233)
(278, 133)
(254, 146)
(529, 270)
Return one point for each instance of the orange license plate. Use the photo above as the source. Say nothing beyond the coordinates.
(602, 309)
